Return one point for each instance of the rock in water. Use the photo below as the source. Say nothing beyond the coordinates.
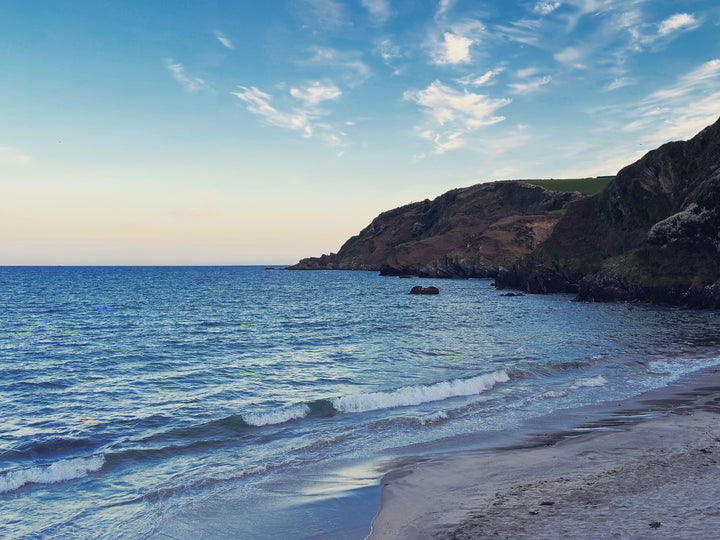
(419, 289)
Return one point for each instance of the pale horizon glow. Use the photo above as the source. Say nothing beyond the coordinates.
(262, 133)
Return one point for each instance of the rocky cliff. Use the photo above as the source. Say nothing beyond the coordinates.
(467, 232)
(653, 234)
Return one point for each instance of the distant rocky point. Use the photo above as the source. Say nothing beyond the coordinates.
(464, 233)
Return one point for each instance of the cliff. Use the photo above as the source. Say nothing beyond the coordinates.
(467, 232)
(653, 233)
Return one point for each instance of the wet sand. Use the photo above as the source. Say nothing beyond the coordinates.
(656, 478)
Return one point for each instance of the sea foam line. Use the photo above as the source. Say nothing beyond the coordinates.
(415, 395)
(60, 471)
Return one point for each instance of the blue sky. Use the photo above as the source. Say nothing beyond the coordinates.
(257, 132)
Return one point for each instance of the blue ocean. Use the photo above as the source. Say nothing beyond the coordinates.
(245, 402)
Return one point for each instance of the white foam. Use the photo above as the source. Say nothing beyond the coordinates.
(278, 416)
(554, 394)
(415, 395)
(681, 366)
(590, 382)
(433, 418)
(60, 471)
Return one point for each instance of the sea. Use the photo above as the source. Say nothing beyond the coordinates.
(256, 402)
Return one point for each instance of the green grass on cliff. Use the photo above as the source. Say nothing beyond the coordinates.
(586, 186)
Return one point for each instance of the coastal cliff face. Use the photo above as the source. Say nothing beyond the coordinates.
(467, 232)
(653, 234)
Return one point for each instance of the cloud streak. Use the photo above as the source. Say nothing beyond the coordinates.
(225, 41)
(191, 84)
(304, 120)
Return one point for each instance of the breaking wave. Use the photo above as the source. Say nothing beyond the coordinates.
(415, 395)
(60, 471)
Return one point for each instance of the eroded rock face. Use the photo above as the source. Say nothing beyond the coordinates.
(465, 233)
(653, 234)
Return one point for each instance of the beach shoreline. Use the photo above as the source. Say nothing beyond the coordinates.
(644, 468)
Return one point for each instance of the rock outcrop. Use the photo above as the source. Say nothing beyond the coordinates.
(653, 234)
(464, 233)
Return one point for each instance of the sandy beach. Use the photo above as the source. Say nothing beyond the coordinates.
(652, 478)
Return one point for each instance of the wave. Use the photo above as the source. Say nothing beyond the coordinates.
(278, 416)
(676, 368)
(60, 471)
(590, 382)
(415, 395)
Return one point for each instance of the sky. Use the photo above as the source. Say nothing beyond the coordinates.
(261, 132)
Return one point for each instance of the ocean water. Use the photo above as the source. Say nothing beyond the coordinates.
(241, 402)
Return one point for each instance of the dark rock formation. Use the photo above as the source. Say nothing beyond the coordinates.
(467, 232)
(653, 234)
(418, 289)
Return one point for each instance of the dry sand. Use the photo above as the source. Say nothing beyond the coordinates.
(658, 478)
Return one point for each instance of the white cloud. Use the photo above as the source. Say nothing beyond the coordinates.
(11, 156)
(258, 102)
(530, 86)
(619, 83)
(678, 21)
(302, 120)
(452, 115)
(225, 41)
(453, 49)
(545, 7)
(316, 92)
(192, 84)
(482, 80)
(379, 10)
(569, 55)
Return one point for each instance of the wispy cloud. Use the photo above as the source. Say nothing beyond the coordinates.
(679, 21)
(569, 55)
(225, 41)
(348, 65)
(192, 84)
(443, 7)
(618, 83)
(531, 82)
(11, 156)
(258, 102)
(452, 115)
(323, 13)
(379, 10)
(315, 92)
(301, 119)
(679, 110)
(481, 80)
(530, 86)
